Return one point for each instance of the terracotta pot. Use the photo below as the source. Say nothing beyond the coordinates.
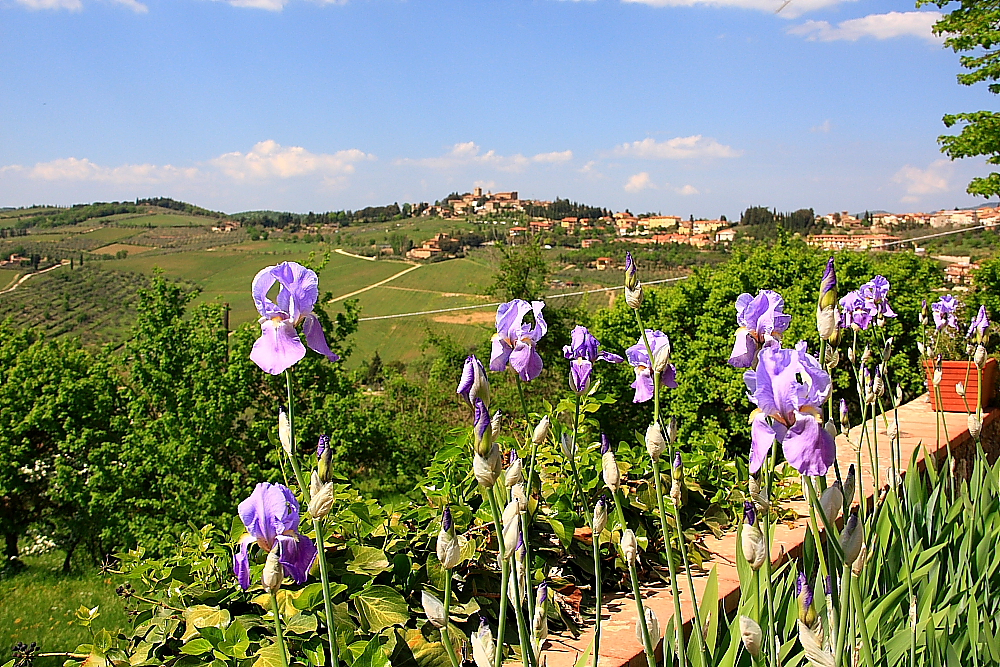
(953, 372)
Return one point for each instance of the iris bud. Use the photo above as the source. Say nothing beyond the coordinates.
(321, 496)
(541, 431)
(474, 383)
(899, 394)
(540, 625)
(833, 359)
(652, 626)
(633, 297)
(515, 471)
(285, 432)
(860, 561)
(517, 494)
(677, 471)
(324, 459)
(758, 496)
(752, 635)
(672, 430)
(511, 527)
(852, 538)
(980, 357)
(483, 646)
(807, 614)
(629, 546)
(866, 355)
(830, 428)
(495, 422)
(273, 573)
(487, 468)
(600, 517)
(449, 552)
(434, 608)
(568, 445)
(849, 483)
(482, 429)
(609, 466)
(752, 539)
(631, 271)
(923, 312)
(655, 443)
(920, 348)
(661, 357)
(851, 356)
(975, 426)
(676, 493)
(878, 384)
(832, 501)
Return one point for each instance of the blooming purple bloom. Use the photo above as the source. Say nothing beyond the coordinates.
(474, 383)
(583, 350)
(944, 312)
(979, 325)
(875, 293)
(279, 347)
(789, 388)
(638, 357)
(271, 516)
(761, 319)
(515, 340)
(854, 311)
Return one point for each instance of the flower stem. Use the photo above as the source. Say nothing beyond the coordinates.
(518, 611)
(596, 540)
(634, 575)
(504, 575)
(675, 591)
(291, 429)
(280, 640)
(445, 638)
(324, 576)
(527, 490)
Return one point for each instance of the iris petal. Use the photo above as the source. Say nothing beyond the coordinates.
(643, 386)
(808, 447)
(300, 289)
(525, 360)
(315, 337)
(278, 347)
(241, 562)
(499, 354)
(297, 555)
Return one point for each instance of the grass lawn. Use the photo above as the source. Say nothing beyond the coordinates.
(8, 275)
(39, 603)
(165, 220)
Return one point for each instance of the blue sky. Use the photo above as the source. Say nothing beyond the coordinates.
(680, 106)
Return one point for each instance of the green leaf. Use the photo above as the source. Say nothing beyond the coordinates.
(563, 530)
(373, 655)
(367, 560)
(380, 607)
(196, 647)
(301, 624)
(268, 656)
(203, 616)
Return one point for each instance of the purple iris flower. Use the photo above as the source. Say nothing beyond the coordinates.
(473, 383)
(638, 357)
(875, 293)
(789, 388)
(761, 319)
(515, 340)
(279, 347)
(584, 351)
(854, 311)
(979, 325)
(271, 516)
(944, 312)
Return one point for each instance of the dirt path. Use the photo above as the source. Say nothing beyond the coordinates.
(36, 273)
(414, 267)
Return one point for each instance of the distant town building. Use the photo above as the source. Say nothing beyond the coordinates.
(853, 241)
(587, 243)
(960, 273)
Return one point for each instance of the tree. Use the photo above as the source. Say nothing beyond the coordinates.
(974, 26)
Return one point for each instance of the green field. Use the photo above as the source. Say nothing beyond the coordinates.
(109, 234)
(7, 275)
(39, 603)
(162, 220)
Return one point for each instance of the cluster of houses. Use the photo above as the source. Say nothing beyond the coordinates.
(431, 248)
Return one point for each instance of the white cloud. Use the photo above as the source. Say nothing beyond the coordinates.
(267, 161)
(275, 5)
(823, 127)
(75, 169)
(639, 182)
(469, 153)
(788, 9)
(921, 182)
(555, 156)
(678, 148)
(72, 5)
(688, 190)
(134, 5)
(270, 159)
(878, 26)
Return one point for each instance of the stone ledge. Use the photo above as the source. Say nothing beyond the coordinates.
(917, 432)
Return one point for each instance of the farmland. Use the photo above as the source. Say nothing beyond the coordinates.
(122, 251)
